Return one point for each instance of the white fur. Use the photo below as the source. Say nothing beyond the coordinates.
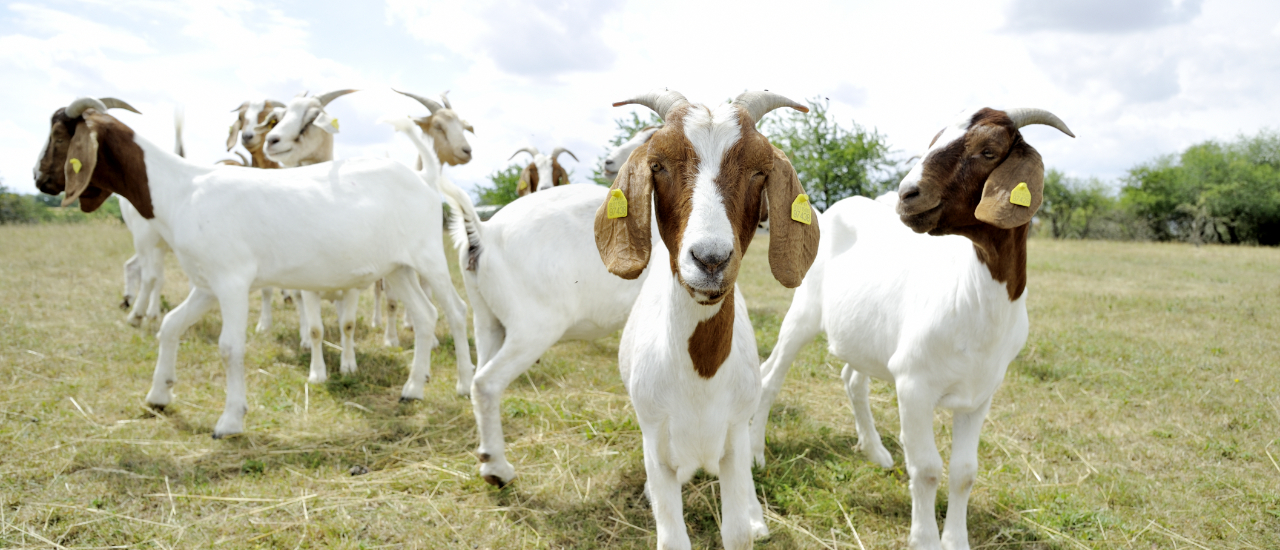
(538, 280)
(618, 156)
(290, 143)
(144, 272)
(916, 310)
(230, 236)
(689, 422)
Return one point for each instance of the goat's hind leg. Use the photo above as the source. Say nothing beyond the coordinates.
(175, 323)
(264, 317)
(858, 386)
(404, 282)
(965, 430)
(231, 343)
(518, 353)
(801, 324)
(311, 303)
(347, 324)
(455, 313)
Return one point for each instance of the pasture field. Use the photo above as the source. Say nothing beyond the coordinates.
(1143, 413)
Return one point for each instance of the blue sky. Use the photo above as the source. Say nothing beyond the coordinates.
(1133, 79)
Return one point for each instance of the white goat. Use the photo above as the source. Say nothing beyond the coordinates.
(688, 352)
(618, 156)
(543, 172)
(939, 316)
(226, 226)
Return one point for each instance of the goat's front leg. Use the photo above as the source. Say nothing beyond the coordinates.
(801, 324)
(742, 519)
(664, 493)
(965, 429)
(405, 284)
(132, 280)
(347, 324)
(858, 386)
(175, 323)
(515, 357)
(235, 321)
(264, 317)
(311, 303)
(924, 464)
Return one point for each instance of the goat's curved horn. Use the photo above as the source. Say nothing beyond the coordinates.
(661, 101)
(1025, 116)
(273, 104)
(429, 104)
(242, 107)
(759, 104)
(533, 151)
(77, 107)
(325, 98)
(556, 152)
(444, 97)
(113, 103)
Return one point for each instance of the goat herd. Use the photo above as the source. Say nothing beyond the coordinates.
(940, 315)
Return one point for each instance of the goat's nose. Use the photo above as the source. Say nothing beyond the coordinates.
(710, 260)
(608, 163)
(272, 140)
(246, 136)
(467, 150)
(908, 192)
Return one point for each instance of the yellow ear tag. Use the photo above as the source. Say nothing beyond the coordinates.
(334, 123)
(522, 186)
(75, 165)
(800, 210)
(617, 204)
(1020, 195)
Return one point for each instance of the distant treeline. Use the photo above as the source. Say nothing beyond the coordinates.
(41, 208)
(1213, 192)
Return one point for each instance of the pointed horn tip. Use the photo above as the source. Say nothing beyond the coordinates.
(621, 103)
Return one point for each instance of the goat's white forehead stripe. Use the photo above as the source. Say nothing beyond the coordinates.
(711, 133)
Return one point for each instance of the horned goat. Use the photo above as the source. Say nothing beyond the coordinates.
(939, 315)
(543, 172)
(230, 235)
(618, 156)
(688, 352)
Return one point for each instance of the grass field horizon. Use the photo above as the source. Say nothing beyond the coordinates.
(1144, 412)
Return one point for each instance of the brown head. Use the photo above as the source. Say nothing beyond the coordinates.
(253, 121)
(445, 128)
(982, 180)
(90, 154)
(544, 172)
(706, 172)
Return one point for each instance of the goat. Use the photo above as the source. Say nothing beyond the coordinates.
(230, 235)
(618, 156)
(544, 172)
(939, 316)
(444, 131)
(688, 352)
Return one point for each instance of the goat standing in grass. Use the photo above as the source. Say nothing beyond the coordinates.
(349, 224)
(939, 316)
(688, 352)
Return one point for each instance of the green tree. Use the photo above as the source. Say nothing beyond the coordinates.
(1073, 207)
(626, 128)
(832, 161)
(502, 188)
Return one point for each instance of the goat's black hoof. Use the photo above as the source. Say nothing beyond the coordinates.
(494, 481)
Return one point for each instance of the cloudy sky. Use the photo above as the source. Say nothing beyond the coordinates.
(1133, 78)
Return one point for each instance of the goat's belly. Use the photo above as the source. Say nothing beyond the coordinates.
(586, 329)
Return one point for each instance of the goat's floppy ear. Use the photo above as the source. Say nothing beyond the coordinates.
(528, 182)
(625, 241)
(793, 244)
(1014, 190)
(82, 158)
(235, 131)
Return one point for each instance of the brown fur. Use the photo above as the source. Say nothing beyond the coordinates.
(665, 169)
(530, 177)
(431, 125)
(712, 340)
(257, 158)
(117, 167)
(972, 192)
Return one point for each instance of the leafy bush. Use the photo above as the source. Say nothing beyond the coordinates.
(41, 208)
(503, 186)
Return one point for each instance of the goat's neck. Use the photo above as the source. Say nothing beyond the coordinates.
(169, 180)
(322, 153)
(1004, 252)
(706, 331)
(258, 159)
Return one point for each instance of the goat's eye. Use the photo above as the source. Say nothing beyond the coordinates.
(988, 154)
(656, 167)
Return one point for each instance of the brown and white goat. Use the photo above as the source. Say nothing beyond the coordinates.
(940, 316)
(688, 353)
(543, 172)
(251, 118)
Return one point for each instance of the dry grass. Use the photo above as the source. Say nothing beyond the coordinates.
(1143, 414)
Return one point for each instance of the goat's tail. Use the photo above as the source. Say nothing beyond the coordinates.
(464, 224)
(431, 171)
(179, 117)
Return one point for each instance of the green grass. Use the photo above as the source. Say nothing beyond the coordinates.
(1143, 413)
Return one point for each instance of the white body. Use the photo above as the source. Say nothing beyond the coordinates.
(689, 422)
(538, 280)
(349, 223)
(916, 310)
(144, 271)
